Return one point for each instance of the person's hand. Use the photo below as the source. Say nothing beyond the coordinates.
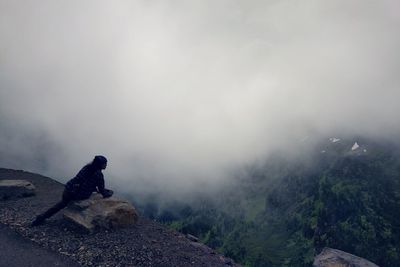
(107, 193)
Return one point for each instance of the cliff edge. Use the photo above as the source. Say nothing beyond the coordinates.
(145, 243)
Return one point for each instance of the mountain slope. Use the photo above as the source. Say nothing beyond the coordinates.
(339, 193)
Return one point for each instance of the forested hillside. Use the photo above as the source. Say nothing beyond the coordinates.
(341, 193)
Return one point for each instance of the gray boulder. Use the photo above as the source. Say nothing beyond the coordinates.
(336, 258)
(12, 189)
(97, 213)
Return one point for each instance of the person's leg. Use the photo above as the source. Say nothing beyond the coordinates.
(66, 198)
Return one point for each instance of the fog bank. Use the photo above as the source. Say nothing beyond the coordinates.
(177, 92)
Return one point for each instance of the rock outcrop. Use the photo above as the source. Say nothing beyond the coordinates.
(98, 213)
(336, 258)
(12, 189)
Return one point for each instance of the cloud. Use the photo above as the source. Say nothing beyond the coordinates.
(176, 92)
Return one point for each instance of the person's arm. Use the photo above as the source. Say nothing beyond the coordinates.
(101, 188)
(100, 183)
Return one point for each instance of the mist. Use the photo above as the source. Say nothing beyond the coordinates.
(176, 93)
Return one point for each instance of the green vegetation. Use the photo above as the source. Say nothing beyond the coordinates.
(286, 211)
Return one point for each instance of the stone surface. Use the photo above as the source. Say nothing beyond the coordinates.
(192, 238)
(12, 189)
(336, 258)
(97, 213)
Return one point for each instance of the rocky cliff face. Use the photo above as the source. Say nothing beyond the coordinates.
(144, 243)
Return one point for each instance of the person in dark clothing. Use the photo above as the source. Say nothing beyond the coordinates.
(88, 180)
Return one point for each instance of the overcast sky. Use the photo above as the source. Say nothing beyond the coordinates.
(178, 91)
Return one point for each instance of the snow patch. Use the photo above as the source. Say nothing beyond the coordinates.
(355, 146)
(334, 139)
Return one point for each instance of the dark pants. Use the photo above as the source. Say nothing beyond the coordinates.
(67, 197)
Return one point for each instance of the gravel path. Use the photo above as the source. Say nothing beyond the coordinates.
(146, 243)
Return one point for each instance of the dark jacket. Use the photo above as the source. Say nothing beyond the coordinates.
(88, 180)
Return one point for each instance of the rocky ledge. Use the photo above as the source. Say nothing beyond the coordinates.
(330, 257)
(144, 243)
